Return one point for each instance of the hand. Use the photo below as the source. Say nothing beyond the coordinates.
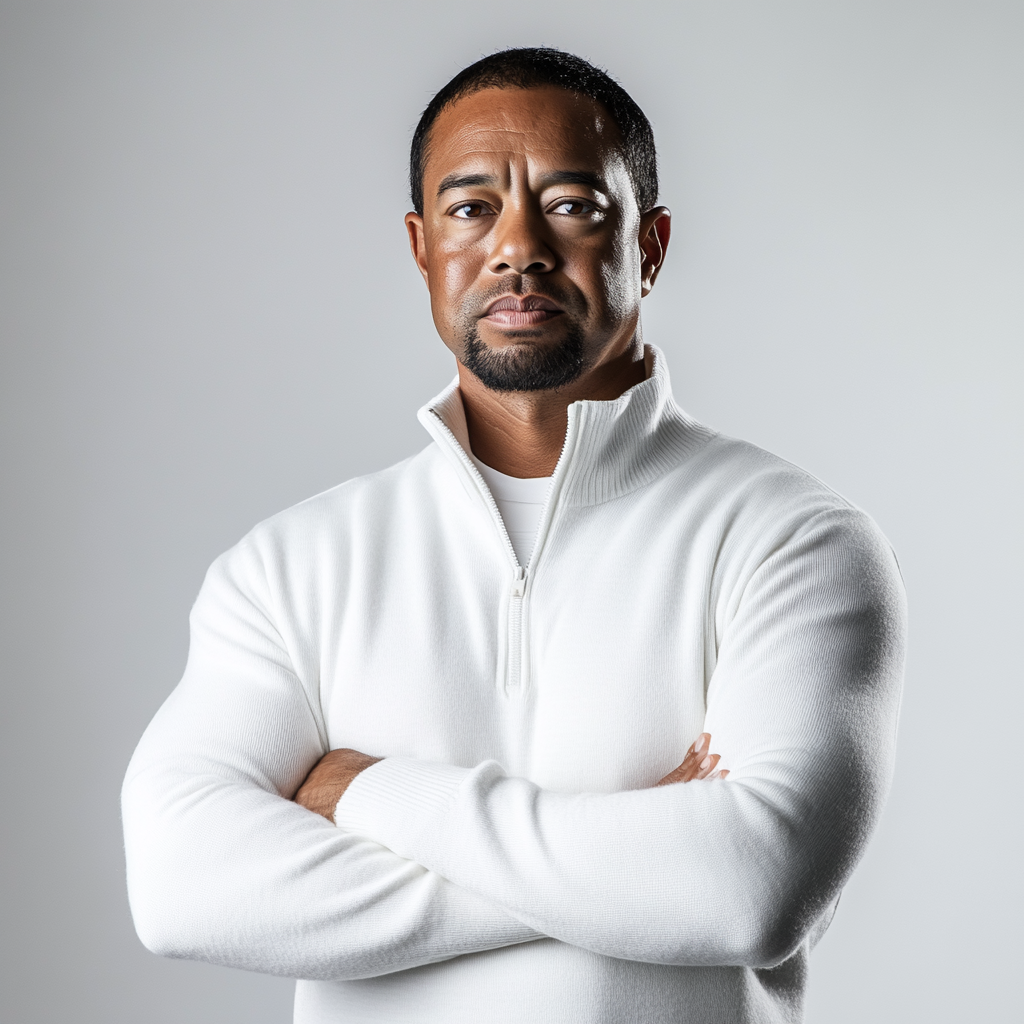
(330, 778)
(698, 764)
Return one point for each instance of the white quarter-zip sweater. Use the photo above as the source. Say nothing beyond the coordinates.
(508, 861)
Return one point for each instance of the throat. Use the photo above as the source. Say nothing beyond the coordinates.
(516, 434)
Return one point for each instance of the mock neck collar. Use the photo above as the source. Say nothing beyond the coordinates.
(610, 448)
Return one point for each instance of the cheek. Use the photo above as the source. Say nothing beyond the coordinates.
(451, 277)
(620, 280)
(457, 275)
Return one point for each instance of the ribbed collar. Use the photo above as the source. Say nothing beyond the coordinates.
(610, 449)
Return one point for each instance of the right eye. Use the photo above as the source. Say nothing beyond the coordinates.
(468, 211)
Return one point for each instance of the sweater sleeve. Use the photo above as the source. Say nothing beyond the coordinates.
(223, 867)
(802, 705)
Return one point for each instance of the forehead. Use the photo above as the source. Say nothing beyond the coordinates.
(547, 125)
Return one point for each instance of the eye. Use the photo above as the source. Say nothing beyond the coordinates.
(469, 211)
(573, 208)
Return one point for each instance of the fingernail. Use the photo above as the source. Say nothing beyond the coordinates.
(706, 763)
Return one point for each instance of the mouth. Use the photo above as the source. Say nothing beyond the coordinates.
(521, 311)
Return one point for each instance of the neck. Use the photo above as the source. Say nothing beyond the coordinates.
(521, 433)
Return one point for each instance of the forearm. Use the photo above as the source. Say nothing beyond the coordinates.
(228, 873)
(224, 867)
(709, 873)
(695, 874)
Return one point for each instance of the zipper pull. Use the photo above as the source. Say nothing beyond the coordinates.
(519, 583)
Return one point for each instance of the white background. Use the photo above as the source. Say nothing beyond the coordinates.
(209, 313)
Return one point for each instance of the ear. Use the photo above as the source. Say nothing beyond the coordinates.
(417, 243)
(655, 229)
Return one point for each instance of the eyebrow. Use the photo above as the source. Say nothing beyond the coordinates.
(588, 178)
(464, 181)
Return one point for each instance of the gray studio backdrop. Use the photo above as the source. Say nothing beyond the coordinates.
(209, 313)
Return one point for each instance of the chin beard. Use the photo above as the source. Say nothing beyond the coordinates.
(524, 367)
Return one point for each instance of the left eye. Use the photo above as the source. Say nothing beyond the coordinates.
(572, 208)
(468, 211)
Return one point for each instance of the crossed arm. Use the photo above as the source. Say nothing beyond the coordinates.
(434, 861)
(331, 775)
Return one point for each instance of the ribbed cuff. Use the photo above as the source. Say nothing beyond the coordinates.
(397, 799)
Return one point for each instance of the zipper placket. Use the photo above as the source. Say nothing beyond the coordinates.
(516, 656)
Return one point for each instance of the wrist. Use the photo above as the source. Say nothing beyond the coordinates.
(356, 763)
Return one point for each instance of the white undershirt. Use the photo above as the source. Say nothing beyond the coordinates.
(520, 501)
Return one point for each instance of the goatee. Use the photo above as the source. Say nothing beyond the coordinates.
(525, 367)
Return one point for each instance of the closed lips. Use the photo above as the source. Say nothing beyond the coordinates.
(518, 311)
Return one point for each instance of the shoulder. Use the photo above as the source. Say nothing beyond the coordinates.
(321, 533)
(760, 507)
(741, 483)
(743, 473)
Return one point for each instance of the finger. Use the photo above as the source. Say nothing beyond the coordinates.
(688, 771)
(695, 755)
(707, 765)
(690, 767)
(694, 749)
(697, 751)
(673, 777)
(721, 774)
(684, 773)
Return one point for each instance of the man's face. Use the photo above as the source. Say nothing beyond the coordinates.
(529, 237)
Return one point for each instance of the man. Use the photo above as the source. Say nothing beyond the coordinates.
(415, 757)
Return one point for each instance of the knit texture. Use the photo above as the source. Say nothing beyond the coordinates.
(508, 860)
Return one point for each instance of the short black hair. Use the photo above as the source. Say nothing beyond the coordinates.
(534, 66)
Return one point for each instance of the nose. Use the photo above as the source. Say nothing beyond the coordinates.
(519, 244)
